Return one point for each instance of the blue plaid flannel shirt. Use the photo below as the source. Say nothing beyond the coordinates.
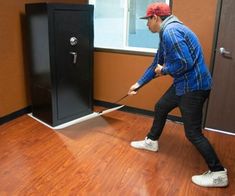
(181, 53)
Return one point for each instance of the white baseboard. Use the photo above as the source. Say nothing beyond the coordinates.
(219, 131)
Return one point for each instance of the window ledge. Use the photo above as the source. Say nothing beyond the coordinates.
(129, 50)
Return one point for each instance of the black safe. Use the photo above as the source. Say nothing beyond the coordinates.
(60, 44)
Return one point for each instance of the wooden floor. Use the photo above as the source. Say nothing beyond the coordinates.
(95, 158)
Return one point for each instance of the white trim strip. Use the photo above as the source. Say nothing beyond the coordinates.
(220, 131)
(31, 115)
(78, 120)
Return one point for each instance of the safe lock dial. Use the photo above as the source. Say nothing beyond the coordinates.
(73, 41)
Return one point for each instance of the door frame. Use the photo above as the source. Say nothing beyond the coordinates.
(216, 34)
(212, 62)
(212, 58)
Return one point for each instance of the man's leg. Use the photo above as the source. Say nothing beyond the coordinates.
(168, 102)
(162, 108)
(191, 106)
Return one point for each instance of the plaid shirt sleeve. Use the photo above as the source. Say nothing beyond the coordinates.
(149, 74)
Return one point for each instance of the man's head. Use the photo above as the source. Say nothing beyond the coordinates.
(158, 9)
(154, 14)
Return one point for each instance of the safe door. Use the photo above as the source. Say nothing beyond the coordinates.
(73, 45)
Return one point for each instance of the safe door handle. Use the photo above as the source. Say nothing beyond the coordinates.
(74, 57)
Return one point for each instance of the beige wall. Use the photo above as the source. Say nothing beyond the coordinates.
(113, 73)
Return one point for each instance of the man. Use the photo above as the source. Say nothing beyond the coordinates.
(180, 56)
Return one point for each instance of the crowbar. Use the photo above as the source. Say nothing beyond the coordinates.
(95, 114)
(87, 117)
(101, 112)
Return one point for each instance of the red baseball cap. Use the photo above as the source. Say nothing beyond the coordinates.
(159, 9)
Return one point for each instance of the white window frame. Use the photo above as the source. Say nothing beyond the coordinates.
(125, 32)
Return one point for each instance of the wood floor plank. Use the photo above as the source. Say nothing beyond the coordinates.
(95, 158)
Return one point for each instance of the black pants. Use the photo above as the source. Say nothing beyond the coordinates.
(191, 106)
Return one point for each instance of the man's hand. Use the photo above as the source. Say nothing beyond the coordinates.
(132, 89)
(158, 70)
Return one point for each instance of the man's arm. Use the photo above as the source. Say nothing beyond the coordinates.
(150, 73)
